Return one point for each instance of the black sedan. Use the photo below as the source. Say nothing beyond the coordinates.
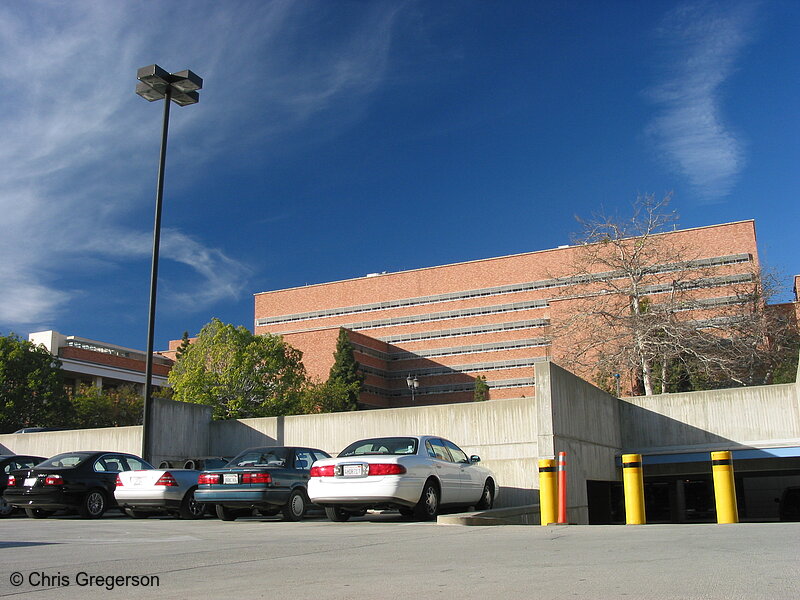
(82, 481)
(9, 463)
(272, 479)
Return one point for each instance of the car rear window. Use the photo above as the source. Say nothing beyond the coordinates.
(67, 460)
(394, 445)
(261, 457)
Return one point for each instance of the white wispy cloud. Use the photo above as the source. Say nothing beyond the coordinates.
(701, 42)
(78, 146)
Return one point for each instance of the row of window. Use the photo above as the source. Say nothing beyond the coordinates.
(446, 315)
(498, 365)
(496, 290)
(449, 389)
(471, 349)
(462, 331)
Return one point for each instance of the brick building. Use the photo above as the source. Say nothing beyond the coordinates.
(103, 365)
(444, 326)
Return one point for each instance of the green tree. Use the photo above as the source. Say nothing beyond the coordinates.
(481, 389)
(185, 343)
(31, 386)
(239, 374)
(95, 407)
(345, 371)
(330, 396)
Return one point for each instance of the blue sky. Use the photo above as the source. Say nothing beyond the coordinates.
(337, 138)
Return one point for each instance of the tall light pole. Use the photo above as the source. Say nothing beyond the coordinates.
(181, 88)
(413, 384)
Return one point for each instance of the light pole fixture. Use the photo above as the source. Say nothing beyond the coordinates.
(181, 88)
(413, 384)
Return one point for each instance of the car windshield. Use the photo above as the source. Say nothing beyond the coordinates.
(398, 445)
(261, 457)
(67, 460)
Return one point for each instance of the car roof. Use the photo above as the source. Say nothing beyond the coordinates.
(260, 448)
(95, 453)
(10, 456)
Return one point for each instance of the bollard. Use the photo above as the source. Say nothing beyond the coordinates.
(548, 490)
(724, 487)
(633, 483)
(562, 487)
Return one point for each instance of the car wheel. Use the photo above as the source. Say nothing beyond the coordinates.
(428, 506)
(191, 508)
(38, 513)
(5, 508)
(487, 497)
(93, 505)
(295, 508)
(337, 513)
(226, 514)
(135, 514)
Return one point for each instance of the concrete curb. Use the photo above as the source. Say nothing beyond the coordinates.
(514, 515)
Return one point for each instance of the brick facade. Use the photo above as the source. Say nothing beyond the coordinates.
(446, 325)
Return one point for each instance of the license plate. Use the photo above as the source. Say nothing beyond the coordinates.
(351, 470)
(136, 481)
(30, 481)
(230, 478)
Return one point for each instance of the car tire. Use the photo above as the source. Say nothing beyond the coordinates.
(487, 497)
(191, 508)
(93, 505)
(226, 514)
(5, 508)
(428, 506)
(135, 514)
(337, 513)
(38, 513)
(296, 506)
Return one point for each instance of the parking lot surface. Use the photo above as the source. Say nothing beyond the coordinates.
(385, 556)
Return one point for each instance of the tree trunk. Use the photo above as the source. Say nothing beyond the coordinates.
(647, 377)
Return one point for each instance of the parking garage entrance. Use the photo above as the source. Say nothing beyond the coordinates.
(678, 488)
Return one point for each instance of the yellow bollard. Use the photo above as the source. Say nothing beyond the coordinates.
(548, 491)
(633, 483)
(724, 487)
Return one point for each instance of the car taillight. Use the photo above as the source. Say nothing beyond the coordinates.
(256, 478)
(208, 479)
(54, 480)
(119, 482)
(326, 471)
(12, 480)
(386, 469)
(167, 479)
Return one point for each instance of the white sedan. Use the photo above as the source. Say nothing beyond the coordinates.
(416, 475)
(146, 492)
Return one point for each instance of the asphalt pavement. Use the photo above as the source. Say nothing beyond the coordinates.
(385, 556)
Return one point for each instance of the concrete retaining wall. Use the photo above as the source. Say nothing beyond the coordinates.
(501, 432)
(179, 430)
(718, 418)
(50, 443)
(582, 420)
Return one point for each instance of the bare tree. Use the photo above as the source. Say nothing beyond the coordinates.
(642, 307)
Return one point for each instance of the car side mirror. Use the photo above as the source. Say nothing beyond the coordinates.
(474, 458)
